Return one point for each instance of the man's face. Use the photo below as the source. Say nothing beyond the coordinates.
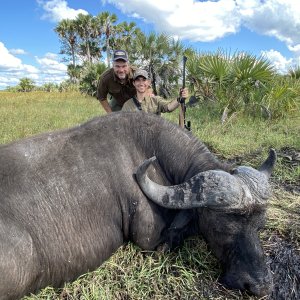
(141, 84)
(121, 68)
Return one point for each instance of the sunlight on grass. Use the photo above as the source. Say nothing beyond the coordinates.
(25, 114)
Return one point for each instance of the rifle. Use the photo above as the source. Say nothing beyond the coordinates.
(182, 109)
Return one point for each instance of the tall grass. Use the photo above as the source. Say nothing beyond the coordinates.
(240, 134)
(25, 114)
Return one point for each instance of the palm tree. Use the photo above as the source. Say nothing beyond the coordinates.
(294, 72)
(84, 28)
(249, 75)
(125, 34)
(66, 30)
(107, 21)
(233, 82)
(74, 73)
(170, 69)
(207, 72)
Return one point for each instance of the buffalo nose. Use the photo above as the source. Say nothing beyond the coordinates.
(259, 288)
(264, 286)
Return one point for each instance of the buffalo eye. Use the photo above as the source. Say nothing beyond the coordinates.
(233, 171)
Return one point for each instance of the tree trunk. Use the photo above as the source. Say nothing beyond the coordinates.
(153, 76)
(107, 51)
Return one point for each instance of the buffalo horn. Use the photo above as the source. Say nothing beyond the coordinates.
(268, 165)
(215, 189)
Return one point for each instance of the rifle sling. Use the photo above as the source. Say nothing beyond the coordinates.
(137, 103)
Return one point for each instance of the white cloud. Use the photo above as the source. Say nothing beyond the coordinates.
(276, 18)
(281, 64)
(56, 10)
(295, 49)
(8, 62)
(17, 52)
(12, 69)
(6, 81)
(51, 69)
(206, 21)
(209, 20)
(50, 65)
(188, 19)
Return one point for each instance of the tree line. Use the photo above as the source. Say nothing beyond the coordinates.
(231, 82)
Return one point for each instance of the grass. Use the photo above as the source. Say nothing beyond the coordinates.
(25, 114)
(284, 215)
(241, 135)
(190, 272)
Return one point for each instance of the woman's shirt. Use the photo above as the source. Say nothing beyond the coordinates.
(150, 104)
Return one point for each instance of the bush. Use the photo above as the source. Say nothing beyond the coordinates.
(89, 78)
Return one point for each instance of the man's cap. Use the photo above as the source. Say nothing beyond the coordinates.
(120, 54)
(140, 72)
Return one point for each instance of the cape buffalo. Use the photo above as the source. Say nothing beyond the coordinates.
(70, 198)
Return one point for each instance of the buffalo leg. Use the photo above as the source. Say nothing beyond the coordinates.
(148, 225)
(18, 261)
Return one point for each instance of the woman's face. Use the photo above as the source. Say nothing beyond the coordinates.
(141, 84)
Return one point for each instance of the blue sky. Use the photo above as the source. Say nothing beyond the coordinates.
(29, 47)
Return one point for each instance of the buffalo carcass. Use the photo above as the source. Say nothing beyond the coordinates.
(69, 199)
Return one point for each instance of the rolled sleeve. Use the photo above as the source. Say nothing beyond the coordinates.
(102, 89)
(166, 106)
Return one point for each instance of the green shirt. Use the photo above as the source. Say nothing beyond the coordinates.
(150, 104)
(109, 83)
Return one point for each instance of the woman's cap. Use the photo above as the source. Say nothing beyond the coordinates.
(140, 72)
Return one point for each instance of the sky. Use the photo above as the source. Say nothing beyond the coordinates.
(30, 48)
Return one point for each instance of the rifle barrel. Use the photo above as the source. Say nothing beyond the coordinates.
(183, 75)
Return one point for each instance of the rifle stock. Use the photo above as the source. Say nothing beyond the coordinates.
(181, 116)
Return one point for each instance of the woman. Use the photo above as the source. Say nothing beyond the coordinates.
(145, 100)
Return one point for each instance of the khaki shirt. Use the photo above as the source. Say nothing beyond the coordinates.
(151, 104)
(109, 83)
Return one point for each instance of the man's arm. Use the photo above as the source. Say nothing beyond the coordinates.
(102, 92)
(105, 105)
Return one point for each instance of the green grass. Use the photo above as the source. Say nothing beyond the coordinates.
(25, 114)
(241, 135)
(191, 272)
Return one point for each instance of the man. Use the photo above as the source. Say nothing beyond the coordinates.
(115, 85)
(145, 101)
